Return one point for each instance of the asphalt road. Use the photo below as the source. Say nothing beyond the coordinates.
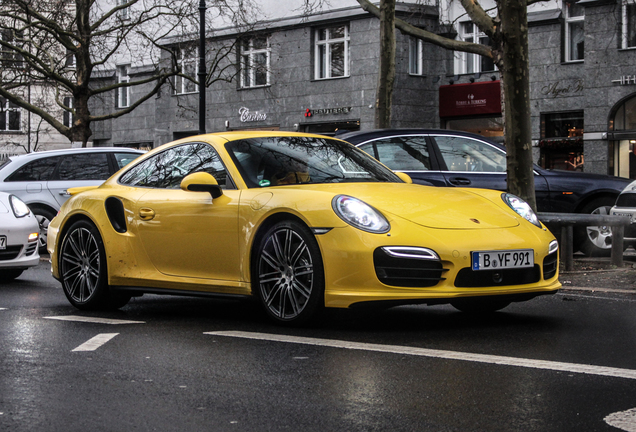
(560, 363)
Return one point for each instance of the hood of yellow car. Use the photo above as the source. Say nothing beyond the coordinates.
(446, 208)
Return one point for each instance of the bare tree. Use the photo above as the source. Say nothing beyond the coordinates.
(508, 33)
(63, 44)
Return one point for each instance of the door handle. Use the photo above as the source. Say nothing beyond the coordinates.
(459, 181)
(146, 213)
(65, 193)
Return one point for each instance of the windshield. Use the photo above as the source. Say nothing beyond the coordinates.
(275, 161)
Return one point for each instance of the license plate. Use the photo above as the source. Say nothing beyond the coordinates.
(3, 242)
(493, 260)
(629, 215)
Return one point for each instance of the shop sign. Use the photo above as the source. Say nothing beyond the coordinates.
(246, 115)
(626, 80)
(559, 89)
(470, 99)
(326, 111)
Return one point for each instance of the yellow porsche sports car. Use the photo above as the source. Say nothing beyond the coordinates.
(299, 222)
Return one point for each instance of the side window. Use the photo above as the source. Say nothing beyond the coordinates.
(466, 154)
(86, 166)
(124, 159)
(38, 170)
(406, 153)
(166, 169)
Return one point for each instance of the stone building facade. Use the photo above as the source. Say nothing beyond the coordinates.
(319, 74)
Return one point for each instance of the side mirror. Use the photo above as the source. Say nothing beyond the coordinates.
(404, 177)
(201, 182)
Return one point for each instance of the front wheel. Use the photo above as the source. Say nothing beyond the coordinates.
(287, 273)
(83, 269)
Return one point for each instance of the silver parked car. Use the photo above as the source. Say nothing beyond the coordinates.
(626, 206)
(19, 232)
(41, 179)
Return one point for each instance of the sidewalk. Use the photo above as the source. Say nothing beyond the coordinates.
(598, 274)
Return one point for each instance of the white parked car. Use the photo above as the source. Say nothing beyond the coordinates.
(41, 179)
(19, 232)
(626, 206)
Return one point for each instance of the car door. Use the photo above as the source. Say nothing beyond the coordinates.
(407, 153)
(183, 233)
(470, 162)
(78, 169)
(29, 182)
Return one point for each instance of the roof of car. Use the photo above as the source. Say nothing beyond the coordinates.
(358, 136)
(39, 154)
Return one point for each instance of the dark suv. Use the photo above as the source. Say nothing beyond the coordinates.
(41, 179)
(451, 158)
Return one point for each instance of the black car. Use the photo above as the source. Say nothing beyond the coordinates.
(452, 158)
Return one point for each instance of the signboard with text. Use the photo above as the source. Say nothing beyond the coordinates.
(470, 99)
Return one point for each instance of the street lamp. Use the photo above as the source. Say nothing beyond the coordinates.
(201, 74)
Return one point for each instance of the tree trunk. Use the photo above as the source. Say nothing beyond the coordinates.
(515, 79)
(386, 75)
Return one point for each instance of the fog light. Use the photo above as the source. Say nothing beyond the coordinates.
(33, 237)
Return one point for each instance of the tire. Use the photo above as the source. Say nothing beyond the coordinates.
(595, 241)
(44, 216)
(479, 305)
(9, 275)
(288, 276)
(83, 269)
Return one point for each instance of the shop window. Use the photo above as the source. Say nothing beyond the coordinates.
(471, 63)
(416, 60)
(255, 58)
(629, 24)
(490, 127)
(9, 116)
(561, 141)
(187, 62)
(331, 52)
(574, 32)
(123, 93)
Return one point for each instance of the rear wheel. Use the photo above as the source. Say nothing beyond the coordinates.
(596, 241)
(83, 269)
(287, 273)
(479, 305)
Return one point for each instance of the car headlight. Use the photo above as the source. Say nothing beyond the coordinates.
(521, 207)
(360, 214)
(20, 209)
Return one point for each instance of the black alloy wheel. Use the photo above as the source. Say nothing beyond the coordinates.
(82, 265)
(288, 274)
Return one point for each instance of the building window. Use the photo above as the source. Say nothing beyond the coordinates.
(629, 24)
(68, 115)
(255, 54)
(123, 93)
(187, 61)
(416, 56)
(9, 116)
(561, 141)
(332, 52)
(123, 13)
(574, 32)
(9, 57)
(466, 63)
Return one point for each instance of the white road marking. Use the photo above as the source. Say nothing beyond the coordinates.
(93, 343)
(94, 320)
(443, 354)
(3, 308)
(625, 420)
